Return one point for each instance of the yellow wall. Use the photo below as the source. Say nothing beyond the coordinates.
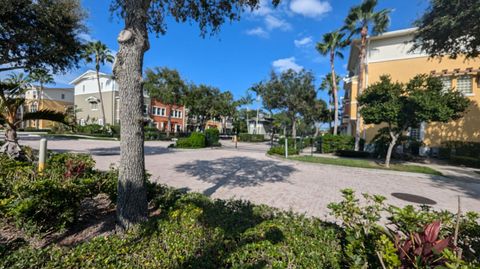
(58, 106)
(465, 129)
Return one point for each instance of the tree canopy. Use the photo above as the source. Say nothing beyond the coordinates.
(165, 85)
(402, 106)
(449, 28)
(40, 34)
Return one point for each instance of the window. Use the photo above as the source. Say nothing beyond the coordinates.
(415, 134)
(158, 111)
(447, 83)
(464, 84)
(101, 85)
(94, 105)
(145, 110)
(34, 107)
(63, 96)
(179, 114)
(100, 122)
(83, 88)
(82, 122)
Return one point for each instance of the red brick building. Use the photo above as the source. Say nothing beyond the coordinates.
(159, 113)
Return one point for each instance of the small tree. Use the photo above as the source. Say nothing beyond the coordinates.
(449, 28)
(292, 92)
(98, 53)
(40, 34)
(167, 86)
(12, 98)
(401, 106)
(360, 21)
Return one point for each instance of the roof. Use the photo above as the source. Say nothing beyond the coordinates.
(87, 74)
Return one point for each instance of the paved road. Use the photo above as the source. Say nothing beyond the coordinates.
(247, 173)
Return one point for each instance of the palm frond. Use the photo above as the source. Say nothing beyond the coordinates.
(46, 114)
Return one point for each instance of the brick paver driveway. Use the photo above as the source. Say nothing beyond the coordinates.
(246, 173)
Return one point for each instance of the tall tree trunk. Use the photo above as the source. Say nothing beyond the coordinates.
(40, 104)
(11, 146)
(133, 41)
(362, 57)
(169, 121)
(334, 87)
(101, 97)
(393, 141)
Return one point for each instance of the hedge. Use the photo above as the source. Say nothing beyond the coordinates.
(465, 160)
(244, 137)
(460, 148)
(280, 150)
(212, 136)
(352, 154)
(195, 140)
(329, 143)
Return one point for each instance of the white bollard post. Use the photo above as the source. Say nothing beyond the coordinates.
(42, 155)
(286, 147)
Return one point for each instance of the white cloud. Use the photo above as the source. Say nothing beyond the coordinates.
(304, 42)
(310, 8)
(264, 8)
(258, 31)
(282, 65)
(272, 22)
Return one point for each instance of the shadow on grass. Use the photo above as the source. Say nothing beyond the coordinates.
(235, 172)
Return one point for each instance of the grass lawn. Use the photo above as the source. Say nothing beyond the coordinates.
(367, 164)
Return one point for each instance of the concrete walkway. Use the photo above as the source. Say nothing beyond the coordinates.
(247, 173)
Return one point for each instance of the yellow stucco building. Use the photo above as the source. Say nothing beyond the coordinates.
(56, 99)
(391, 53)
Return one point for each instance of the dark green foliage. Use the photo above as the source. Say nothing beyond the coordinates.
(447, 28)
(329, 143)
(465, 160)
(92, 129)
(244, 137)
(212, 136)
(40, 34)
(197, 232)
(352, 154)
(280, 150)
(195, 140)
(381, 141)
(49, 201)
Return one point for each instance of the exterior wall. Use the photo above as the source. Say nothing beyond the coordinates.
(88, 114)
(465, 129)
(56, 99)
(391, 54)
(161, 121)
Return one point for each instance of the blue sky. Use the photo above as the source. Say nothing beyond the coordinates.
(244, 52)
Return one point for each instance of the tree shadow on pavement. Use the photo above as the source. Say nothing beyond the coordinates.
(148, 150)
(236, 172)
(469, 187)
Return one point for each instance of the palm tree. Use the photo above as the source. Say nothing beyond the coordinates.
(98, 53)
(12, 99)
(359, 21)
(327, 85)
(43, 77)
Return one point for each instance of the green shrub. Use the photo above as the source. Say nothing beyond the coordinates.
(91, 129)
(197, 232)
(460, 148)
(464, 160)
(244, 137)
(291, 142)
(212, 136)
(280, 150)
(195, 140)
(352, 154)
(329, 143)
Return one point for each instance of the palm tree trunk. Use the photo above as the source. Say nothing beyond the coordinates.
(100, 94)
(133, 41)
(362, 57)
(334, 87)
(11, 146)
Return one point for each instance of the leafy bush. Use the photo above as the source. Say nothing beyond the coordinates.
(91, 129)
(329, 143)
(366, 240)
(212, 136)
(197, 232)
(195, 140)
(280, 150)
(50, 200)
(462, 148)
(353, 154)
(244, 137)
(467, 161)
